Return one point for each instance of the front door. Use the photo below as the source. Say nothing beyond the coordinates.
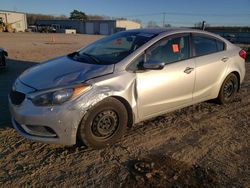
(162, 90)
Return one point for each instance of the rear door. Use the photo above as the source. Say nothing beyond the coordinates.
(210, 62)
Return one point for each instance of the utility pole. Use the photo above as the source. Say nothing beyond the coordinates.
(163, 19)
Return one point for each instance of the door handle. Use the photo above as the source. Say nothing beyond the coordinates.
(188, 70)
(224, 59)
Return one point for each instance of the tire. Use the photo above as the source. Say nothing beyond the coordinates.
(228, 89)
(103, 124)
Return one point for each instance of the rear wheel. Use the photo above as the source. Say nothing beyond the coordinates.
(228, 89)
(103, 124)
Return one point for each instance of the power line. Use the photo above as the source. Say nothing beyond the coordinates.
(200, 15)
(188, 14)
(188, 23)
(206, 14)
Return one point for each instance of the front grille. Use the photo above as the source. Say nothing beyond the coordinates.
(16, 97)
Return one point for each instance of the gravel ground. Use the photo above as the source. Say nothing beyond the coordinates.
(204, 145)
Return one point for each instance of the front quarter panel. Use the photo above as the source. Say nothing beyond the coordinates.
(121, 84)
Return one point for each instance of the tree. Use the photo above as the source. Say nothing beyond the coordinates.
(96, 17)
(32, 18)
(167, 25)
(78, 15)
(137, 21)
(121, 18)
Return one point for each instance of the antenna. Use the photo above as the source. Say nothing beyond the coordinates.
(164, 18)
(203, 25)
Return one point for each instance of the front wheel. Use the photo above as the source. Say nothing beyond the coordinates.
(103, 124)
(228, 89)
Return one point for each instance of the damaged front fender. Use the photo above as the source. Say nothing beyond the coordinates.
(103, 89)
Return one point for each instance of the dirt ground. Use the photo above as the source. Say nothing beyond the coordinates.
(204, 145)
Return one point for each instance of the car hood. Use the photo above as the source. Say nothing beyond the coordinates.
(62, 71)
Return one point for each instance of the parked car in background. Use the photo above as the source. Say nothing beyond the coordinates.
(248, 55)
(3, 55)
(231, 37)
(31, 28)
(94, 94)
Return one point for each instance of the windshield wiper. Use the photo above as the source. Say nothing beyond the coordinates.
(77, 55)
(91, 56)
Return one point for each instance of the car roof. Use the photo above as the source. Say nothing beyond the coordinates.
(172, 30)
(157, 31)
(163, 30)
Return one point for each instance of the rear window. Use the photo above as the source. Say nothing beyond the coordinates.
(204, 45)
(220, 45)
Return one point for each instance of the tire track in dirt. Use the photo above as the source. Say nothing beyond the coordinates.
(181, 133)
(183, 143)
(233, 154)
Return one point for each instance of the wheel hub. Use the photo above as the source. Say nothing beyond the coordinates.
(229, 89)
(105, 124)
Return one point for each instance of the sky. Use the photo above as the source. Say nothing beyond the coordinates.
(177, 12)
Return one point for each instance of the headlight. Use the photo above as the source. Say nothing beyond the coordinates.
(58, 96)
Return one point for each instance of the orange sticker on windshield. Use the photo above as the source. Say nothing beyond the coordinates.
(175, 48)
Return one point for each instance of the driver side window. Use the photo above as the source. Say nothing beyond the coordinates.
(170, 50)
(167, 51)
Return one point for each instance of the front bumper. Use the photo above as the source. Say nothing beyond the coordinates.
(54, 124)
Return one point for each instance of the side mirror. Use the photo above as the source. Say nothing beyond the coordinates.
(153, 65)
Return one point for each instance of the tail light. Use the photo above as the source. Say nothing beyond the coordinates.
(243, 54)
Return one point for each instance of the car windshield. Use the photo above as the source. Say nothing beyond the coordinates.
(112, 49)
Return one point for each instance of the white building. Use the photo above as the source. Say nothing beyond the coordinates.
(127, 24)
(17, 20)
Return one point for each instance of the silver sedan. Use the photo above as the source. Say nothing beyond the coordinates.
(93, 95)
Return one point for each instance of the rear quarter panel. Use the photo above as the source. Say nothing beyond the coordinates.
(234, 64)
(237, 64)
